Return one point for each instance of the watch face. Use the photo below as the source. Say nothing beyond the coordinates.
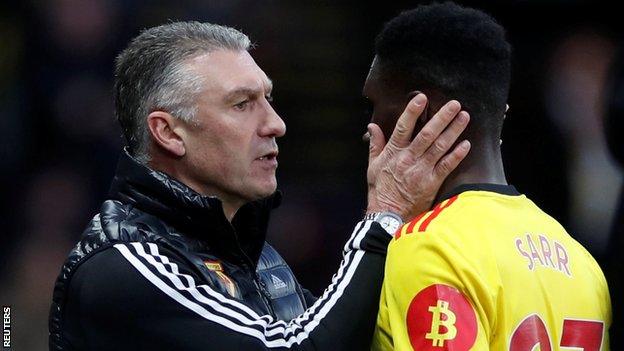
(390, 224)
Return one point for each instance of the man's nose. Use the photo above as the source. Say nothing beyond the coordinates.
(274, 126)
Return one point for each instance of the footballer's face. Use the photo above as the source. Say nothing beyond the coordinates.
(388, 100)
(389, 91)
(231, 149)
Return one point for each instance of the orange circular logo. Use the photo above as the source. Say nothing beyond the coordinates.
(441, 318)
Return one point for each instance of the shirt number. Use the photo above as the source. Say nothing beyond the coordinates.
(577, 333)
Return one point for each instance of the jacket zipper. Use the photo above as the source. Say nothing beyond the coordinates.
(266, 295)
(260, 285)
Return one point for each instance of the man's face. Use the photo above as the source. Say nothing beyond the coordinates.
(231, 150)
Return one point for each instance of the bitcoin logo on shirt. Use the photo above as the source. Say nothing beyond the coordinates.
(435, 335)
(439, 318)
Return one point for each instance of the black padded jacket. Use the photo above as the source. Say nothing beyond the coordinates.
(161, 268)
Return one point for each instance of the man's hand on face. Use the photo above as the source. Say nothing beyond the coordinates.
(403, 176)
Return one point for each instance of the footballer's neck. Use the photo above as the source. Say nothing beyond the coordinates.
(480, 166)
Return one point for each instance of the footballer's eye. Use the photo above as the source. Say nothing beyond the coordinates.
(367, 107)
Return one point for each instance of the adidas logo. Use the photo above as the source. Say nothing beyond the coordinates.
(277, 282)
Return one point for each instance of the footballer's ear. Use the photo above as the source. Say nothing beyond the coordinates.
(166, 132)
(424, 117)
(435, 101)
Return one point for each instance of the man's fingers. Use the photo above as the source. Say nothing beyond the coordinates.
(450, 161)
(444, 142)
(376, 140)
(405, 125)
(430, 132)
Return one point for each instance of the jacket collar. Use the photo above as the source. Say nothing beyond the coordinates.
(198, 217)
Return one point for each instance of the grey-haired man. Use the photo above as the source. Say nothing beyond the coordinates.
(177, 258)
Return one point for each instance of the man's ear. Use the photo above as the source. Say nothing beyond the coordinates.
(162, 127)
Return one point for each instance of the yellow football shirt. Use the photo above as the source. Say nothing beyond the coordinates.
(486, 269)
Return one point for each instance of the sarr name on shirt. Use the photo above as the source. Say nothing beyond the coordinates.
(551, 254)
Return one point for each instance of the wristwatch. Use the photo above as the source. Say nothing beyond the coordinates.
(389, 221)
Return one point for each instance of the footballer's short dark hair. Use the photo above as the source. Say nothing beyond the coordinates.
(459, 51)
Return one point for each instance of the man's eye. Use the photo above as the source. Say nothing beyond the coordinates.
(241, 105)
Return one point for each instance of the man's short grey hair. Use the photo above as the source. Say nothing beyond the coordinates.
(151, 75)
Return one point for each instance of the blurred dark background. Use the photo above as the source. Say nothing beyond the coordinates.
(59, 141)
